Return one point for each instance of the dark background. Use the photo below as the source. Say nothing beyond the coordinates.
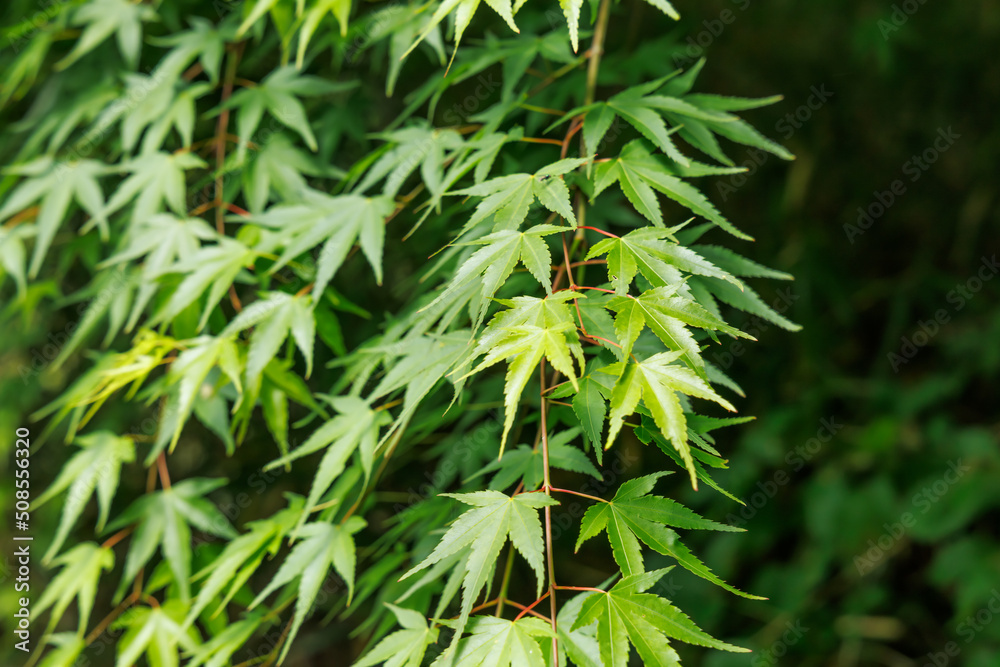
(870, 550)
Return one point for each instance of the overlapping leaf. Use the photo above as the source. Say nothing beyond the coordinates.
(656, 381)
(492, 264)
(405, 647)
(336, 222)
(164, 519)
(95, 468)
(524, 335)
(628, 614)
(635, 515)
(507, 198)
(641, 175)
(155, 631)
(482, 532)
(497, 642)
(325, 545)
(82, 567)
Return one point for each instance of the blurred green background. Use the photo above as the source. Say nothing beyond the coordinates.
(872, 473)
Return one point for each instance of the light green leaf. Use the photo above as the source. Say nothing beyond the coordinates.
(95, 468)
(497, 642)
(656, 381)
(82, 566)
(627, 614)
(405, 647)
(106, 17)
(483, 531)
(324, 546)
(163, 519)
(155, 631)
(337, 222)
(56, 184)
(509, 337)
(639, 173)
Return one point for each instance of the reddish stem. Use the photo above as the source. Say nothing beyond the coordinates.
(161, 466)
(525, 610)
(600, 231)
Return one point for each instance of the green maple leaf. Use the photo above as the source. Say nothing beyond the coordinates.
(12, 254)
(157, 178)
(274, 318)
(161, 240)
(636, 515)
(106, 17)
(507, 198)
(356, 428)
(218, 651)
(656, 381)
(422, 146)
(668, 315)
(482, 532)
(337, 222)
(165, 106)
(700, 117)
(523, 335)
(163, 519)
(655, 253)
(68, 647)
(279, 166)
(641, 174)
(590, 406)
(56, 184)
(204, 41)
(82, 566)
(745, 299)
(427, 360)
(212, 269)
(239, 560)
(464, 11)
(278, 94)
(626, 613)
(324, 546)
(95, 468)
(405, 647)
(341, 10)
(637, 109)
(492, 264)
(524, 464)
(189, 371)
(579, 644)
(497, 642)
(155, 631)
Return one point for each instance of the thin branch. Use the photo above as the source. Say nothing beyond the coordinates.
(161, 466)
(599, 231)
(526, 610)
(575, 493)
(548, 518)
(116, 538)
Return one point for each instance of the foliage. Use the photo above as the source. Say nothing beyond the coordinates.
(220, 257)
